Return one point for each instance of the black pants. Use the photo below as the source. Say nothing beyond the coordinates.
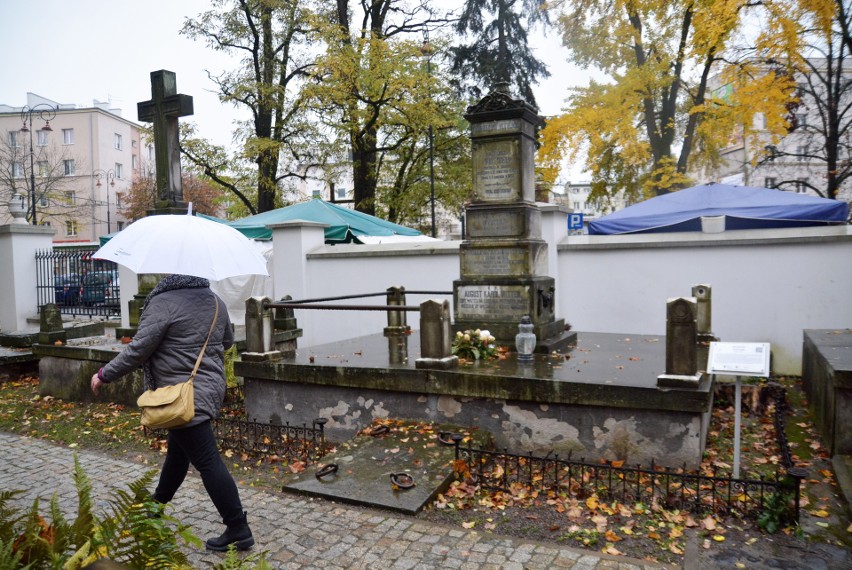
(197, 445)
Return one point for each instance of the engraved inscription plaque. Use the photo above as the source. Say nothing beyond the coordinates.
(496, 167)
(505, 126)
(505, 223)
(502, 261)
(492, 302)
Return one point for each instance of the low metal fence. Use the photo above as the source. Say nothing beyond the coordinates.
(233, 432)
(692, 491)
(77, 283)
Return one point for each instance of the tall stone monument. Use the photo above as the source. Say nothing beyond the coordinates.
(504, 257)
(163, 110)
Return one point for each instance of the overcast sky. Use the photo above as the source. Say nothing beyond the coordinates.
(75, 51)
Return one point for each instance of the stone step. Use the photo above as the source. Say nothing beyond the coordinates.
(364, 466)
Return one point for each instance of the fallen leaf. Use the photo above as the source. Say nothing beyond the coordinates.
(822, 513)
(592, 502)
(708, 523)
(613, 551)
(674, 549)
(718, 538)
(470, 524)
(612, 537)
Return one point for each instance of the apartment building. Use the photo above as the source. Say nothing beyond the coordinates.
(794, 164)
(76, 162)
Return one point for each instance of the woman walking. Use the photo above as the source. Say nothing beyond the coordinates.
(176, 319)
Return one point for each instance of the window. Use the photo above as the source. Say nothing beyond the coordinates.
(69, 167)
(14, 139)
(340, 193)
(117, 141)
(18, 169)
(150, 152)
(576, 206)
(41, 167)
(120, 225)
(801, 186)
(71, 198)
(769, 182)
(135, 162)
(41, 138)
(43, 200)
(801, 152)
(118, 200)
(70, 228)
(133, 144)
(119, 169)
(67, 136)
(801, 120)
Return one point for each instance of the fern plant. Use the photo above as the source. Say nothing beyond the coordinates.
(135, 531)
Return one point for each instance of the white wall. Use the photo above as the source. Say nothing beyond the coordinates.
(767, 285)
(18, 245)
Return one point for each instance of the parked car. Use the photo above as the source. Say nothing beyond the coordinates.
(66, 289)
(97, 287)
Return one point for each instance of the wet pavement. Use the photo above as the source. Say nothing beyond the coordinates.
(294, 531)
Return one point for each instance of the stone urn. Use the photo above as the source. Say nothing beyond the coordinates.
(18, 208)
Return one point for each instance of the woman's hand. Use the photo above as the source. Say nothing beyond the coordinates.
(96, 384)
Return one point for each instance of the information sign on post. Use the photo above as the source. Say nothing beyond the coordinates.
(738, 359)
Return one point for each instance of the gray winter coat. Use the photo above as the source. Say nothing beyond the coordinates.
(171, 333)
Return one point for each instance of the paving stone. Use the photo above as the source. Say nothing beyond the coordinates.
(296, 532)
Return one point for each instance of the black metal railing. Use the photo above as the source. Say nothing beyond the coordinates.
(235, 433)
(319, 303)
(694, 491)
(76, 283)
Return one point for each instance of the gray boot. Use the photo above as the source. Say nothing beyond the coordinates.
(237, 533)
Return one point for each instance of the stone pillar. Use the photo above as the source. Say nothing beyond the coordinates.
(681, 343)
(145, 283)
(18, 246)
(703, 323)
(285, 329)
(259, 331)
(397, 330)
(50, 325)
(435, 336)
(703, 320)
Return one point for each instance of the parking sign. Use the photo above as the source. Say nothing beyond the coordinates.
(575, 221)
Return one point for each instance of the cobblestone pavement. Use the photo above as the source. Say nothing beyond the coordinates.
(295, 532)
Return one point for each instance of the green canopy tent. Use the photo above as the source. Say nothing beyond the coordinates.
(345, 225)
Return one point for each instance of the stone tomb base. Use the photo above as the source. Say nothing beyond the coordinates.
(599, 400)
(827, 380)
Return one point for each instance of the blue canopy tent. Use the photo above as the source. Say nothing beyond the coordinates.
(345, 225)
(744, 207)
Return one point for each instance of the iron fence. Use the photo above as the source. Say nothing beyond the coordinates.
(693, 491)
(233, 432)
(77, 283)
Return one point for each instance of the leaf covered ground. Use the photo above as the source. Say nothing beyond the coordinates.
(639, 530)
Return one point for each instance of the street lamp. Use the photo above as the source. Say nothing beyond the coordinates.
(110, 178)
(46, 113)
(426, 50)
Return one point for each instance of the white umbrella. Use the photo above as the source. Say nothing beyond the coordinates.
(183, 244)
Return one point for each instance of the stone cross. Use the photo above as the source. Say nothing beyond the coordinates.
(164, 108)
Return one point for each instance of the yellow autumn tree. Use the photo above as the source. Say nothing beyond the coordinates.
(677, 79)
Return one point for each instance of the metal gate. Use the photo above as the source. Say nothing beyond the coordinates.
(78, 284)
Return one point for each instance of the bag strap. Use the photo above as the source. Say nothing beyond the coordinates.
(203, 348)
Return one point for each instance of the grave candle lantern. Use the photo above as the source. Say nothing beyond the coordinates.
(525, 339)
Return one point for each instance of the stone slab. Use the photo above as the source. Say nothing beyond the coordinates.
(366, 463)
